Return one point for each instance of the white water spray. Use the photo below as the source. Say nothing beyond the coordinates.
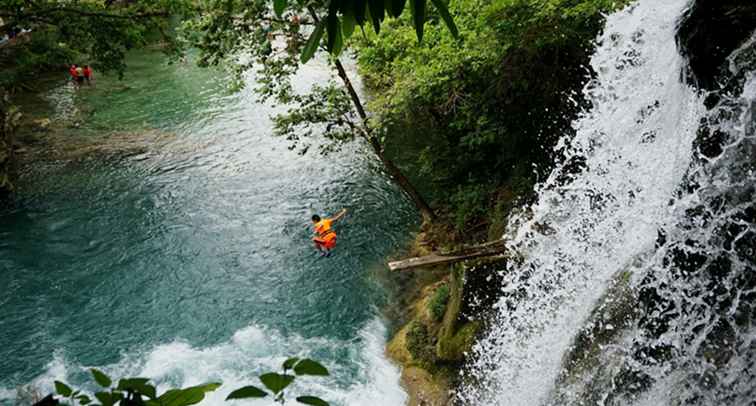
(633, 148)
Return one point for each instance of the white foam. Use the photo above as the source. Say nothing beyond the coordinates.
(250, 352)
(636, 141)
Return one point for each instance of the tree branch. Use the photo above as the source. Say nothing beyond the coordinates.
(67, 10)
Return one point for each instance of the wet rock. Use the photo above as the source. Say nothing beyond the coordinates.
(710, 31)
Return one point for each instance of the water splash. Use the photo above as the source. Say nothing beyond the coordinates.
(251, 351)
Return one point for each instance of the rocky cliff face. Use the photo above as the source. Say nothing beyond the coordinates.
(710, 32)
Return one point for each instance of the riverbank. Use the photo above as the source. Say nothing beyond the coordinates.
(443, 310)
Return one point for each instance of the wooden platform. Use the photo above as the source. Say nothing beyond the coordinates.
(489, 249)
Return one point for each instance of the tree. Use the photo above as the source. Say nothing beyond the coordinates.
(101, 31)
(250, 35)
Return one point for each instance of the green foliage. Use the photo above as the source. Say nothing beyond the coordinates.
(94, 32)
(420, 345)
(469, 202)
(486, 110)
(437, 302)
(139, 391)
(327, 110)
(247, 392)
(101, 379)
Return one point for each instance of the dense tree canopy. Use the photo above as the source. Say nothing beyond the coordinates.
(484, 109)
(95, 32)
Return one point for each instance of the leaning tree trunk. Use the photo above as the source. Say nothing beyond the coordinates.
(396, 174)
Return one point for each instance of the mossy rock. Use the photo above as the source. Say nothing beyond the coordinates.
(397, 347)
(425, 388)
(455, 347)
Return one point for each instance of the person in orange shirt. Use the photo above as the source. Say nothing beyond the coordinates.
(325, 237)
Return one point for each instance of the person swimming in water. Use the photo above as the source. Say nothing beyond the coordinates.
(325, 237)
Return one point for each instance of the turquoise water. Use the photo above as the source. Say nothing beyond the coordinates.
(191, 261)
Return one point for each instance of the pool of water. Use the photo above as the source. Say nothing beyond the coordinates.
(191, 261)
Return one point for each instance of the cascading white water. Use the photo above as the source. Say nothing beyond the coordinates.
(629, 177)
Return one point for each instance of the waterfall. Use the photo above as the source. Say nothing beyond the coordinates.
(636, 279)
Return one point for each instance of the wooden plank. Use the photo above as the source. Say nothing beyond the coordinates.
(489, 249)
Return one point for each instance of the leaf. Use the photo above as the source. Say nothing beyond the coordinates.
(279, 6)
(310, 367)
(397, 7)
(348, 23)
(188, 396)
(107, 398)
(139, 385)
(376, 12)
(418, 15)
(338, 44)
(101, 379)
(276, 382)
(448, 20)
(289, 363)
(334, 29)
(247, 392)
(312, 43)
(62, 389)
(83, 399)
(207, 387)
(312, 400)
(359, 11)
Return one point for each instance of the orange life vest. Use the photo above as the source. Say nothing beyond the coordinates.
(323, 228)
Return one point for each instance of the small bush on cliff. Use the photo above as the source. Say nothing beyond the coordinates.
(437, 303)
(420, 345)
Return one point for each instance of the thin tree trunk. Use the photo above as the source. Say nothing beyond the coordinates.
(396, 174)
(393, 170)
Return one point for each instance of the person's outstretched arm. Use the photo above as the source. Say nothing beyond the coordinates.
(339, 215)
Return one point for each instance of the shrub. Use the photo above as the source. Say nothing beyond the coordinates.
(437, 303)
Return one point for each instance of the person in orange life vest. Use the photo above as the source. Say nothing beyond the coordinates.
(325, 237)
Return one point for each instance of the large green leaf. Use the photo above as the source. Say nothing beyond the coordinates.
(62, 389)
(348, 23)
(247, 392)
(139, 385)
(418, 16)
(376, 13)
(289, 363)
(310, 367)
(312, 43)
(312, 400)
(101, 379)
(108, 398)
(188, 396)
(397, 7)
(334, 30)
(279, 6)
(448, 20)
(276, 382)
(360, 6)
